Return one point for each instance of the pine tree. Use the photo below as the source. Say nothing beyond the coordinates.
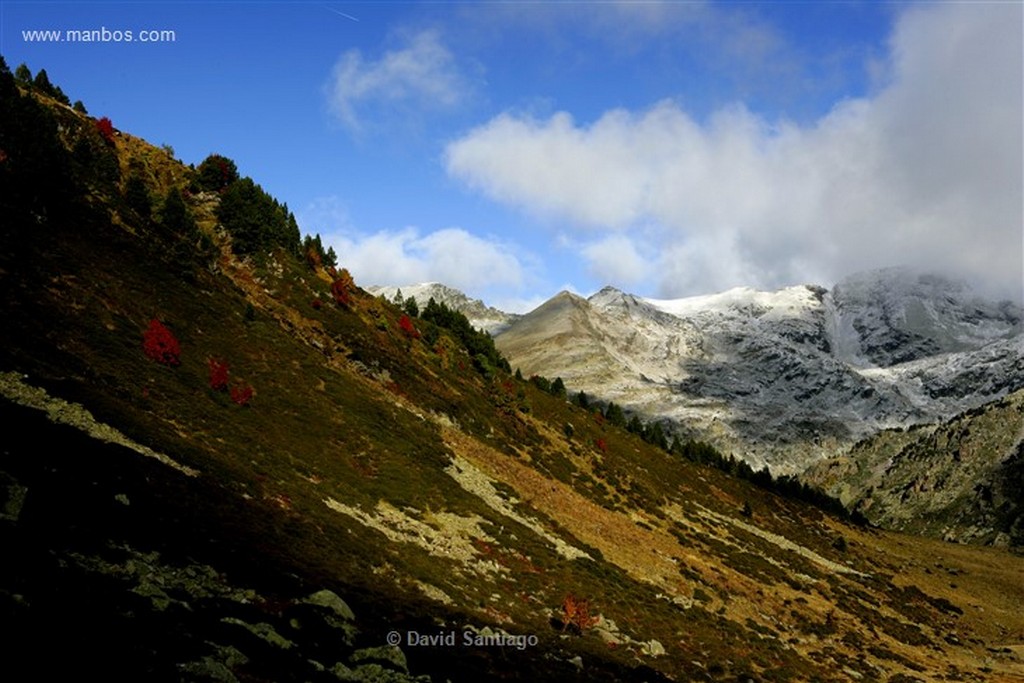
(411, 308)
(42, 82)
(136, 196)
(253, 218)
(613, 413)
(23, 74)
(635, 426)
(175, 216)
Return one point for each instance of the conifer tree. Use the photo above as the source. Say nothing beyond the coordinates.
(411, 308)
(136, 196)
(42, 82)
(175, 216)
(330, 258)
(23, 74)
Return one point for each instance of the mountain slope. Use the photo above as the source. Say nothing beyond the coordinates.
(784, 378)
(961, 480)
(382, 480)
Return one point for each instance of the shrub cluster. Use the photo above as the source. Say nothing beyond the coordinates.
(407, 327)
(218, 374)
(478, 344)
(159, 344)
(576, 614)
(315, 254)
(241, 393)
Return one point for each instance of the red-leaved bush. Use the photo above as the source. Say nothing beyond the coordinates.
(160, 345)
(342, 288)
(106, 130)
(405, 322)
(218, 374)
(602, 445)
(241, 394)
(576, 613)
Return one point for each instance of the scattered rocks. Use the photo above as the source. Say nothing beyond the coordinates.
(262, 630)
(653, 648)
(390, 655)
(331, 601)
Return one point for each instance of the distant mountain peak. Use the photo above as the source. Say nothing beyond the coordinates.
(480, 315)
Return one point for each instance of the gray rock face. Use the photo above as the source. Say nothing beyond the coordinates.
(781, 378)
(897, 316)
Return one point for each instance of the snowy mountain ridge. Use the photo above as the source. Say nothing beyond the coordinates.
(782, 378)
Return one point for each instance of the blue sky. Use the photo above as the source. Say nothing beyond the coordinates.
(515, 149)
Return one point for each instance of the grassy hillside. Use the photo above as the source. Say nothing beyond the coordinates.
(381, 480)
(960, 480)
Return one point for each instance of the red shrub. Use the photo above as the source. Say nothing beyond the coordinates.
(218, 374)
(342, 288)
(602, 445)
(106, 130)
(405, 322)
(317, 304)
(160, 345)
(241, 394)
(576, 613)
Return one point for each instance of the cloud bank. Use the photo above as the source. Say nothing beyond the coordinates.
(450, 255)
(925, 171)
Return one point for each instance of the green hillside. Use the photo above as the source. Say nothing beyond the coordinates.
(960, 480)
(385, 475)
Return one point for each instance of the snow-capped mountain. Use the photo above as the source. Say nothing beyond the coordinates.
(781, 378)
(480, 315)
(887, 317)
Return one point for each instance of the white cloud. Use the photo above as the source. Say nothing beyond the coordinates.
(615, 258)
(422, 75)
(927, 171)
(451, 255)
